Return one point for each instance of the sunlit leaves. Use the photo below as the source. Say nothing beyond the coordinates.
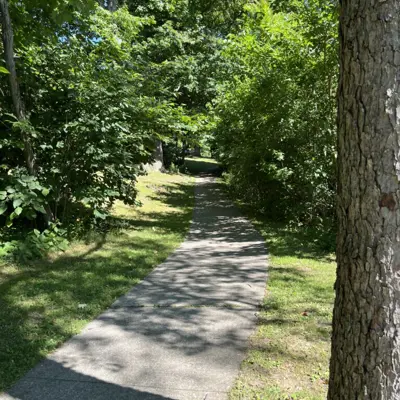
(100, 89)
(276, 114)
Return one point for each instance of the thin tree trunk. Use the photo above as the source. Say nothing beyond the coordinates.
(365, 361)
(112, 5)
(19, 107)
(197, 151)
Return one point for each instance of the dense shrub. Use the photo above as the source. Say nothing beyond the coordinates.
(275, 116)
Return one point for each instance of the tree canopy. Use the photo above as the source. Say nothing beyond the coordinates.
(103, 82)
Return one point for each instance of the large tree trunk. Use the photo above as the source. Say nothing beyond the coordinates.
(365, 361)
(158, 155)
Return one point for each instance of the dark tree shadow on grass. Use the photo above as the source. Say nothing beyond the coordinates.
(81, 287)
(40, 302)
(185, 333)
(202, 167)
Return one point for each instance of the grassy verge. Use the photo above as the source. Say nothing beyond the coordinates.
(201, 165)
(44, 303)
(289, 353)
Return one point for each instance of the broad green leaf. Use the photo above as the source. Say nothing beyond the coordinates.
(17, 203)
(18, 210)
(3, 208)
(40, 208)
(98, 214)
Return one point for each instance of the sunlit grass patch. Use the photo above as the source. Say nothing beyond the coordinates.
(289, 353)
(45, 302)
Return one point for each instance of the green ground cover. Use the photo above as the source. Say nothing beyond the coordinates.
(288, 357)
(45, 302)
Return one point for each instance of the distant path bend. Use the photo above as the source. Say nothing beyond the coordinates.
(179, 334)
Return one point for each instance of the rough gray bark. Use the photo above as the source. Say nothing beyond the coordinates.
(365, 361)
(158, 155)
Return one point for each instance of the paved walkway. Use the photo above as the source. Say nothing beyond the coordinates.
(181, 333)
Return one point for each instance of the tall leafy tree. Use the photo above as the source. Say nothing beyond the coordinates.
(89, 116)
(99, 84)
(275, 110)
(184, 52)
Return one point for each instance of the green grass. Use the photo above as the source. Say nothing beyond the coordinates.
(45, 302)
(199, 165)
(289, 353)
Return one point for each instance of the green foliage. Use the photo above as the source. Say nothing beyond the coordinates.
(184, 51)
(97, 98)
(252, 82)
(39, 244)
(83, 123)
(276, 114)
(23, 196)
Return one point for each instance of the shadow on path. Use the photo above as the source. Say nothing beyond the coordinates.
(182, 332)
(74, 386)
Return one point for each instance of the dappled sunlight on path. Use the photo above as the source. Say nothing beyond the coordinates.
(181, 333)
